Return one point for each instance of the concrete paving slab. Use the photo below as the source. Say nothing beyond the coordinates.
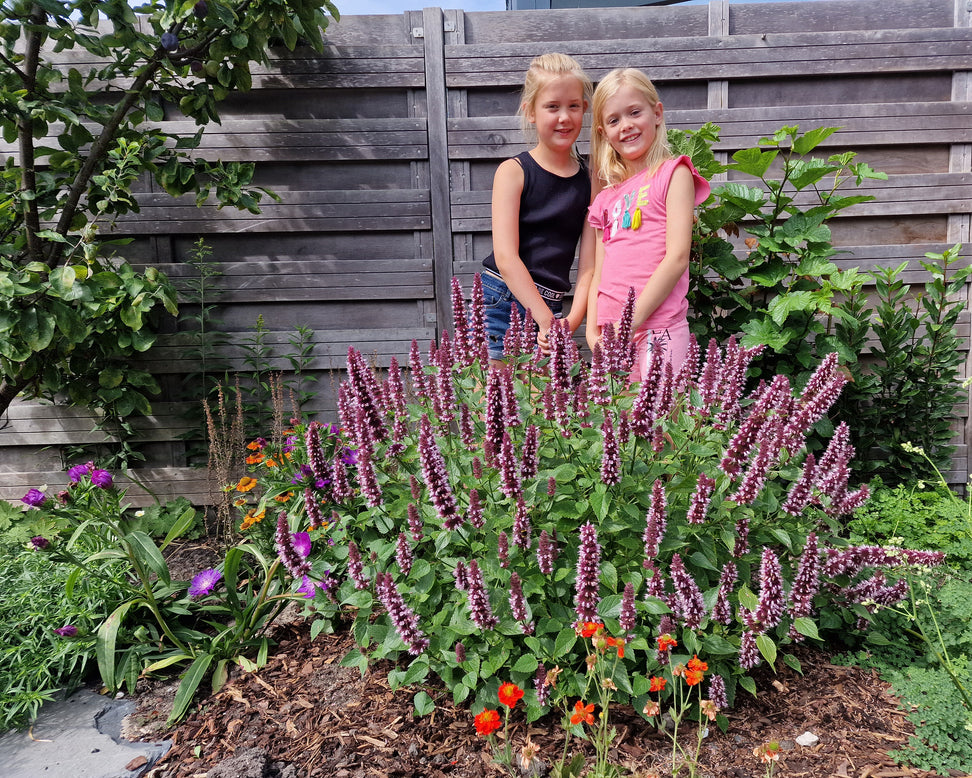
(79, 737)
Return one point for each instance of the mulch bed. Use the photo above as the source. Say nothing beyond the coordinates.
(313, 717)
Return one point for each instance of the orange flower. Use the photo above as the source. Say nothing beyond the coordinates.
(651, 708)
(589, 629)
(284, 497)
(487, 722)
(693, 677)
(678, 671)
(617, 643)
(696, 664)
(666, 642)
(246, 484)
(239, 502)
(254, 459)
(657, 684)
(709, 708)
(768, 752)
(582, 713)
(270, 462)
(252, 518)
(256, 445)
(509, 693)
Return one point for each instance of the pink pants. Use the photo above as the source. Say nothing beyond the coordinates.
(673, 342)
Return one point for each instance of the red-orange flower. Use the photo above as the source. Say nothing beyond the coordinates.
(256, 445)
(255, 459)
(666, 642)
(246, 484)
(657, 684)
(697, 664)
(590, 628)
(582, 713)
(487, 722)
(284, 497)
(617, 643)
(509, 693)
(693, 677)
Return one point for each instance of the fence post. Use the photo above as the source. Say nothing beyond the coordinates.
(435, 93)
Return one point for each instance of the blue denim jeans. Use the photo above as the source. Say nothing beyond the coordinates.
(498, 303)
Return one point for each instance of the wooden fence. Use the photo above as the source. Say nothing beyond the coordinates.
(383, 149)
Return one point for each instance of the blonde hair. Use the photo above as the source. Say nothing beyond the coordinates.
(543, 69)
(610, 166)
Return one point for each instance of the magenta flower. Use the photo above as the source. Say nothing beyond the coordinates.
(420, 381)
(540, 684)
(545, 553)
(479, 608)
(67, 631)
(39, 542)
(522, 529)
(655, 521)
(530, 454)
(518, 605)
(800, 493)
(460, 324)
(588, 580)
(204, 582)
(296, 564)
(711, 373)
(76, 473)
(503, 549)
(477, 323)
(611, 454)
(722, 610)
(598, 378)
(514, 342)
(404, 618)
(460, 652)
(340, 486)
(467, 430)
(806, 583)
(302, 543)
(436, 476)
(700, 499)
(771, 598)
(509, 467)
(717, 691)
(34, 498)
(309, 587)
(313, 509)
(628, 615)
(403, 554)
(460, 574)
(748, 652)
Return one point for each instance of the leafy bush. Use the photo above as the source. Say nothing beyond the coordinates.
(481, 517)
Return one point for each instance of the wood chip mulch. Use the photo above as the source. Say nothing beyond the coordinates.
(317, 718)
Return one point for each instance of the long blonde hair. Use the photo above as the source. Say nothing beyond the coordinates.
(542, 70)
(607, 162)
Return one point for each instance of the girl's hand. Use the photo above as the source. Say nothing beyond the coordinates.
(543, 342)
(592, 334)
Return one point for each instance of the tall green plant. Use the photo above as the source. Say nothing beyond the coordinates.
(62, 317)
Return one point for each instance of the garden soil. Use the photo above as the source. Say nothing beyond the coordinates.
(303, 716)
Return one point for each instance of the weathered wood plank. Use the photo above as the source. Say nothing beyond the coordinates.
(166, 483)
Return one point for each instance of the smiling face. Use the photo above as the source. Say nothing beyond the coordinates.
(558, 112)
(629, 122)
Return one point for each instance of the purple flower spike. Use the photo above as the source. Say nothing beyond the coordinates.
(529, 456)
(503, 549)
(588, 578)
(356, 567)
(748, 652)
(460, 324)
(509, 468)
(688, 597)
(513, 342)
(477, 323)
(34, 498)
(700, 500)
(611, 454)
(474, 514)
(722, 610)
(67, 631)
(545, 553)
(403, 554)
(313, 510)
(291, 558)
(479, 609)
(203, 583)
(717, 691)
(628, 615)
(404, 618)
(522, 531)
(540, 684)
(771, 599)
(805, 584)
(436, 476)
(656, 521)
(518, 605)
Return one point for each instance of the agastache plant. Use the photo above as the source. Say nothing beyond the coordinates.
(686, 505)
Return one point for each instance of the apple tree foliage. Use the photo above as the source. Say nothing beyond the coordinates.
(84, 87)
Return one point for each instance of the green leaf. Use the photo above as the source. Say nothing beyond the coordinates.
(748, 684)
(564, 642)
(105, 641)
(753, 161)
(526, 664)
(767, 648)
(147, 553)
(806, 627)
(36, 328)
(424, 705)
(180, 527)
(187, 688)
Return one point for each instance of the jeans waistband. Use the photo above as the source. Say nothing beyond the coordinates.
(544, 292)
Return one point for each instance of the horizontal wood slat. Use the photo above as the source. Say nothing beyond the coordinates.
(164, 484)
(775, 55)
(47, 425)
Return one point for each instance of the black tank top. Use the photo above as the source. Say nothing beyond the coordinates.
(552, 214)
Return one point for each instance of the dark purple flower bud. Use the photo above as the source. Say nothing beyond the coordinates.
(611, 454)
(688, 596)
(415, 522)
(420, 381)
(626, 320)
(551, 486)
(509, 468)
(654, 581)
(204, 582)
(477, 323)
(366, 393)
(395, 389)
(76, 473)
(460, 324)
(403, 554)
(474, 514)
(655, 521)
(367, 475)
(467, 427)
(748, 652)
(479, 609)
(39, 542)
(436, 476)
(404, 618)
(742, 537)
(771, 598)
(711, 373)
(588, 580)
(540, 684)
(700, 499)
(518, 605)
(101, 479)
(296, 564)
(522, 531)
(503, 549)
(598, 378)
(530, 455)
(628, 614)
(514, 341)
(460, 652)
(545, 553)
(461, 576)
(356, 567)
(690, 366)
(722, 610)
(477, 468)
(67, 631)
(34, 498)
(169, 41)
(495, 417)
(200, 9)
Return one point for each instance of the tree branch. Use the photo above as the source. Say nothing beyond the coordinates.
(25, 133)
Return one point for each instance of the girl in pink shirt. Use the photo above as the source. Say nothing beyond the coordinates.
(643, 219)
